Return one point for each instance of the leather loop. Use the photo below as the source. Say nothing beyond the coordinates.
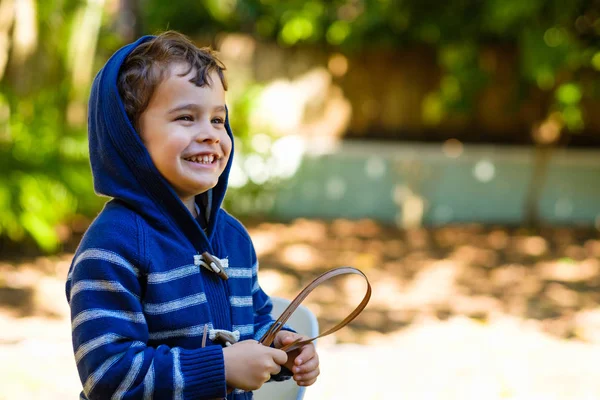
(269, 336)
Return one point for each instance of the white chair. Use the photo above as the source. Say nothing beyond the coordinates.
(304, 322)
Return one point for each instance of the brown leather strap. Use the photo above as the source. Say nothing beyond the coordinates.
(269, 336)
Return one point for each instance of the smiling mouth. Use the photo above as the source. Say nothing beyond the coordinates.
(205, 159)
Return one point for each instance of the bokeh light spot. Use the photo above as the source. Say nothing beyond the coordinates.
(484, 171)
(338, 64)
(256, 169)
(452, 148)
(569, 93)
(261, 143)
(375, 167)
(596, 61)
(554, 37)
(338, 32)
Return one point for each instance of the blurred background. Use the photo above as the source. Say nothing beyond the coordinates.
(450, 150)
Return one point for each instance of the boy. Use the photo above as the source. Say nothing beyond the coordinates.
(163, 290)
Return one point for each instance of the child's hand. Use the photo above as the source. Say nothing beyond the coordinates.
(249, 364)
(303, 362)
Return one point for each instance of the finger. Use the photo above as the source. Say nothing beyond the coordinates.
(275, 369)
(307, 352)
(289, 337)
(266, 377)
(279, 356)
(283, 338)
(310, 376)
(309, 365)
(291, 340)
(306, 383)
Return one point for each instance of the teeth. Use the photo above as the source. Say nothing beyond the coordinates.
(202, 159)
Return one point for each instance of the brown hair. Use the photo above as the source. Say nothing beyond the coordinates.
(148, 65)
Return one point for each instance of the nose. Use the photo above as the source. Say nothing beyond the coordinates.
(206, 133)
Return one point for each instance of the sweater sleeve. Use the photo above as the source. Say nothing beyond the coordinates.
(263, 306)
(263, 320)
(110, 338)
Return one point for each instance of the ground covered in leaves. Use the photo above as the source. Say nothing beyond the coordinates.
(457, 312)
(550, 278)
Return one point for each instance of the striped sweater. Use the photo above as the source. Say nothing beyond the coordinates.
(139, 303)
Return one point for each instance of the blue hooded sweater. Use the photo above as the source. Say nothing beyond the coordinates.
(139, 303)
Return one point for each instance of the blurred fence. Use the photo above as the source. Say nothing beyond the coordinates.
(410, 183)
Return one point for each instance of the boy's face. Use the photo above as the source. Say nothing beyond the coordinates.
(183, 129)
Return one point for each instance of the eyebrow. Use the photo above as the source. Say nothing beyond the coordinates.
(193, 106)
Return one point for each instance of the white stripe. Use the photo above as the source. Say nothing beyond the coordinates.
(95, 377)
(133, 372)
(247, 330)
(161, 277)
(224, 262)
(178, 383)
(238, 391)
(93, 344)
(105, 255)
(99, 285)
(149, 382)
(95, 313)
(196, 330)
(256, 287)
(255, 269)
(239, 273)
(173, 305)
(240, 301)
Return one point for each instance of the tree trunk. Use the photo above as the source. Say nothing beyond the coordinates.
(541, 161)
(129, 23)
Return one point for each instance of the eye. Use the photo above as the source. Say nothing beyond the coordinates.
(217, 120)
(186, 117)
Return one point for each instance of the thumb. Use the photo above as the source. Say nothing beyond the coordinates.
(280, 357)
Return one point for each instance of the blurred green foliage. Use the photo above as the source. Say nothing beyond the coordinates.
(556, 41)
(45, 180)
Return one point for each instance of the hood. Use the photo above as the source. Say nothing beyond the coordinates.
(121, 165)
